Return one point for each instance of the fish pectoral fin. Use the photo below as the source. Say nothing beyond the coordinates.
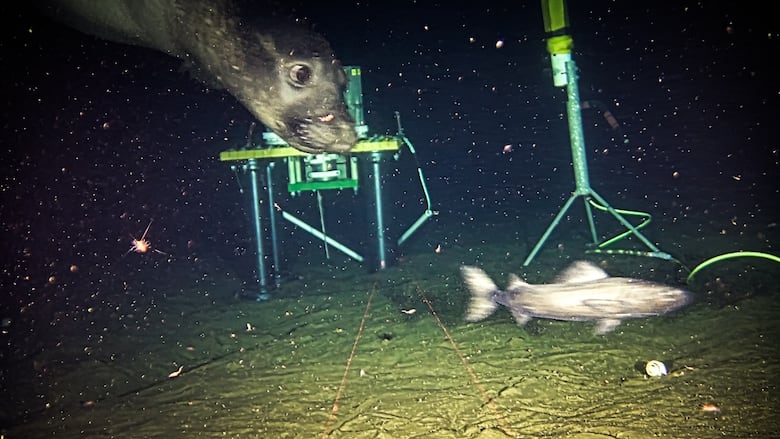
(520, 318)
(606, 325)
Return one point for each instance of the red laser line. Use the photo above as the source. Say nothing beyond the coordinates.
(343, 384)
(489, 402)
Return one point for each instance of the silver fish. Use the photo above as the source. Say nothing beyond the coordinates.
(582, 292)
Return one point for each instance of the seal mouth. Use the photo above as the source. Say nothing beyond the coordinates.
(324, 133)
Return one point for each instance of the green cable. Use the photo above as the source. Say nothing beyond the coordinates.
(723, 257)
(645, 221)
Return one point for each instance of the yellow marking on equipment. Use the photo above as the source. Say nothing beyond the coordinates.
(391, 144)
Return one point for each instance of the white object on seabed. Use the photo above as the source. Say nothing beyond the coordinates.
(655, 368)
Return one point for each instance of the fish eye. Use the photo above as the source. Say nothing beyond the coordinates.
(300, 74)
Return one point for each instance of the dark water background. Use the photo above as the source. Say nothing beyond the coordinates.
(99, 139)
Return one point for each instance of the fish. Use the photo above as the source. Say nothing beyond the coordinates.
(582, 292)
(285, 74)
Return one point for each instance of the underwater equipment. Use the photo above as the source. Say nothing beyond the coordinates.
(324, 172)
(559, 45)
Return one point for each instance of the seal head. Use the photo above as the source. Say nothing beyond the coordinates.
(284, 74)
(302, 92)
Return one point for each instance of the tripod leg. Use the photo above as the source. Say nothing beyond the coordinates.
(550, 229)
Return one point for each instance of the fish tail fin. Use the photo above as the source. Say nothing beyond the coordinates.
(482, 289)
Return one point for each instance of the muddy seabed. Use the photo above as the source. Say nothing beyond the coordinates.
(277, 369)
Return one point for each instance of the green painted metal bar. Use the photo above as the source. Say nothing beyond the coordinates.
(581, 177)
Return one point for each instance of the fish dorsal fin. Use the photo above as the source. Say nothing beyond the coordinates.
(579, 272)
(515, 283)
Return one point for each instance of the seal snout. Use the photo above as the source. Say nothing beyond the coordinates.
(324, 132)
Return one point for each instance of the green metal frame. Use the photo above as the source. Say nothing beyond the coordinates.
(582, 181)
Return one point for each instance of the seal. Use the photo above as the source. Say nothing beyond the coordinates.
(285, 75)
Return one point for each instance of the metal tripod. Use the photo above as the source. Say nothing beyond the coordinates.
(581, 179)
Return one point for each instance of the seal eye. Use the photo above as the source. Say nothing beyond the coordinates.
(300, 74)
